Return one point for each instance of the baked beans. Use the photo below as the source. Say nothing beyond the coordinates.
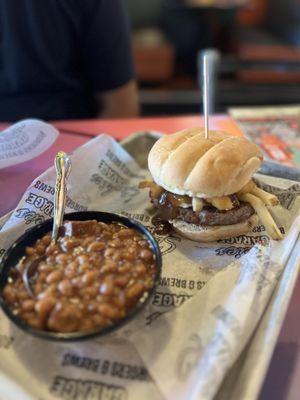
(91, 277)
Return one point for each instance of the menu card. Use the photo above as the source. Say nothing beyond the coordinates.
(275, 129)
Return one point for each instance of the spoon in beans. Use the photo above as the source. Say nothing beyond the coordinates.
(63, 168)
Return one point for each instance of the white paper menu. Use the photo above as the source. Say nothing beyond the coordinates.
(24, 141)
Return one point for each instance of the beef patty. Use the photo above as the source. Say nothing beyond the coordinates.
(208, 216)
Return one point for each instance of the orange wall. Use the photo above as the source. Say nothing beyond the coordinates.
(253, 13)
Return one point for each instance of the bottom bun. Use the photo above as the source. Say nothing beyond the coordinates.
(201, 233)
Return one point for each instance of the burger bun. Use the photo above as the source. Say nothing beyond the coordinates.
(200, 233)
(186, 163)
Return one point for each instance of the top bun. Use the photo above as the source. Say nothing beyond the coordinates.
(187, 163)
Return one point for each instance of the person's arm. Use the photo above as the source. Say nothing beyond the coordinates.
(121, 102)
(107, 57)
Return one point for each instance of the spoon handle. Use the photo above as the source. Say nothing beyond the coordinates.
(63, 169)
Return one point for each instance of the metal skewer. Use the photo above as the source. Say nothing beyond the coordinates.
(208, 66)
(205, 94)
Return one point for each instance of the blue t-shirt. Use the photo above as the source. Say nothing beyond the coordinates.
(56, 54)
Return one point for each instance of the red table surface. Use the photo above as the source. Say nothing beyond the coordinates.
(283, 378)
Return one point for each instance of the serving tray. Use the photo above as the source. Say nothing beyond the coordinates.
(244, 380)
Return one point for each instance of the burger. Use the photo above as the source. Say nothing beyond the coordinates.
(204, 187)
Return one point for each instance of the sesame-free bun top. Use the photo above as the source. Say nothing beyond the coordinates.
(187, 163)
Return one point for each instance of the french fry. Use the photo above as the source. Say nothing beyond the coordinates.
(197, 204)
(247, 188)
(263, 214)
(268, 198)
(145, 184)
(155, 189)
(221, 203)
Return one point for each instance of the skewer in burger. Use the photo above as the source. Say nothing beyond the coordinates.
(204, 187)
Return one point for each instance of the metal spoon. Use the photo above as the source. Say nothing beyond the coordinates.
(63, 168)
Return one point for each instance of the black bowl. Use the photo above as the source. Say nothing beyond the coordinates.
(17, 250)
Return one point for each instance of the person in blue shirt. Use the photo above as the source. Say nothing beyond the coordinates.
(65, 59)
